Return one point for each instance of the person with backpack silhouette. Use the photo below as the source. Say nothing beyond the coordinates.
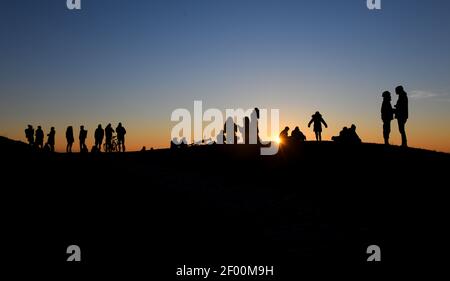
(98, 136)
(51, 140)
(108, 137)
(401, 112)
(70, 139)
(82, 137)
(39, 142)
(387, 115)
(120, 130)
(29, 134)
(318, 121)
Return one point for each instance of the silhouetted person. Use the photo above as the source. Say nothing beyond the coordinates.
(98, 136)
(353, 137)
(108, 137)
(254, 117)
(387, 115)
(82, 137)
(297, 135)
(120, 130)
(29, 134)
(39, 138)
(284, 135)
(401, 112)
(51, 139)
(220, 138)
(183, 143)
(317, 120)
(70, 139)
(246, 131)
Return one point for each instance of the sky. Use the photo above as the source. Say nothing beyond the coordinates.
(134, 62)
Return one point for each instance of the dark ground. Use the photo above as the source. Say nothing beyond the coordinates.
(150, 212)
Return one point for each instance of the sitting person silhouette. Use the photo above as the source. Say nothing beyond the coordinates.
(347, 136)
(29, 134)
(230, 137)
(353, 136)
(284, 136)
(342, 135)
(108, 137)
(39, 138)
(297, 135)
(317, 120)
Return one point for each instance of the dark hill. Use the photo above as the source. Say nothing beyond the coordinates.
(226, 204)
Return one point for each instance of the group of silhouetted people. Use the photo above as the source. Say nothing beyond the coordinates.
(349, 135)
(400, 112)
(36, 138)
(298, 136)
(229, 132)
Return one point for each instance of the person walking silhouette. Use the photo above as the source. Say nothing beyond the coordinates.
(387, 115)
(401, 112)
(318, 121)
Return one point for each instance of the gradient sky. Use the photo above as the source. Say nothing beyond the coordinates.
(136, 61)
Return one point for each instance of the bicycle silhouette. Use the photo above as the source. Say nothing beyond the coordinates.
(114, 145)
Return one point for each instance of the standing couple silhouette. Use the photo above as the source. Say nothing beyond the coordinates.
(400, 111)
